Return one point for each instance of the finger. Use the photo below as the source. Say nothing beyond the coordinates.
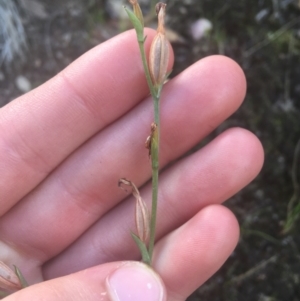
(190, 255)
(119, 281)
(210, 176)
(85, 186)
(40, 129)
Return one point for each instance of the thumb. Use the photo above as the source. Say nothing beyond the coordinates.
(135, 281)
(117, 281)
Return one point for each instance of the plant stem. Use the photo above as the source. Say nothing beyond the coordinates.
(155, 92)
(155, 172)
(155, 86)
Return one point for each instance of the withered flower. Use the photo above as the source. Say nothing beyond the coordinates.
(142, 216)
(159, 51)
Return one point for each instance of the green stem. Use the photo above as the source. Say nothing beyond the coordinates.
(155, 92)
(155, 173)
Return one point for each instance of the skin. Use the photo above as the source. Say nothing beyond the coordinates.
(65, 145)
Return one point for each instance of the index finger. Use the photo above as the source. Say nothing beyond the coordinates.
(40, 129)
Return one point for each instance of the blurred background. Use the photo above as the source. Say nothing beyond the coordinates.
(38, 38)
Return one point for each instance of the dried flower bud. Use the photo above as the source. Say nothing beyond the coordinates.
(8, 278)
(149, 139)
(137, 11)
(158, 6)
(142, 216)
(159, 51)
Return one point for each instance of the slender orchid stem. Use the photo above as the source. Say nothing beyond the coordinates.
(155, 86)
(155, 173)
(155, 93)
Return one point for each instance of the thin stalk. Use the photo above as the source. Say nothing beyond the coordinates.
(155, 90)
(155, 93)
(155, 173)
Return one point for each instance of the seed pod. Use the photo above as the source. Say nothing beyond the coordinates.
(159, 51)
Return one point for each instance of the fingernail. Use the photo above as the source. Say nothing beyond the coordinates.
(135, 281)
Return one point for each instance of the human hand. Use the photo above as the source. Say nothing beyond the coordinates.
(65, 145)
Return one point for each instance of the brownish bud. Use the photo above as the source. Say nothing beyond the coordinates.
(8, 278)
(149, 139)
(159, 51)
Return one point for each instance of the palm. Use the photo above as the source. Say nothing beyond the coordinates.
(64, 146)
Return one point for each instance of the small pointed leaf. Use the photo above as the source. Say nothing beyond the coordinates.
(139, 28)
(143, 249)
(8, 278)
(21, 277)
